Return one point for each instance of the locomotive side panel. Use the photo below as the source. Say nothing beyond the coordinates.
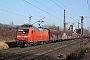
(39, 35)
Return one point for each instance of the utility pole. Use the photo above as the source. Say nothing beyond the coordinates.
(88, 32)
(82, 18)
(88, 29)
(30, 20)
(58, 28)
(64, 20)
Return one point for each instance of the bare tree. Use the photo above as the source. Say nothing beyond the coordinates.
(53, 26)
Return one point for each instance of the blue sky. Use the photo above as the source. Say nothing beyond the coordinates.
(19, 11)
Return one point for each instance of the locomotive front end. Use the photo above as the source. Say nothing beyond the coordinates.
(22, 36)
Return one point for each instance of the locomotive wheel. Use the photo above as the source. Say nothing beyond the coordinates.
(43, 42)
(28, 44)
(34, 44)
(46, 42)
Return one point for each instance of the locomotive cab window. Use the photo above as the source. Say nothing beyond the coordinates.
(23, 31)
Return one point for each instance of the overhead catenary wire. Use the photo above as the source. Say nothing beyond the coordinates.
(14, 9)
(61, 8)
(74, 20)
(70, 10)
(13, 13)
(67, 7)
(18, 10)
(71, 15)
(47, 7)
(56, 4)
(41, 9)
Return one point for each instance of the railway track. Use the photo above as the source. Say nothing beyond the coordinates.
(35, 51)
(10, 50)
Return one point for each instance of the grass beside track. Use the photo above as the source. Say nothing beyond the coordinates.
(3, 45)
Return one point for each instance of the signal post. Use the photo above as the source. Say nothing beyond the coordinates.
(82, 18)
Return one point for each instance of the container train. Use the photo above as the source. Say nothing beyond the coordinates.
(32, 35)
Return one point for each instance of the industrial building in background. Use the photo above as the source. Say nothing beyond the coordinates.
(66, 26)
(72, 28)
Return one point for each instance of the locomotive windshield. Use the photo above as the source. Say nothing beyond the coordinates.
(23, 31)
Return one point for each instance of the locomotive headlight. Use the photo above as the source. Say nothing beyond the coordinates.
(18, 36)
(25, 36)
